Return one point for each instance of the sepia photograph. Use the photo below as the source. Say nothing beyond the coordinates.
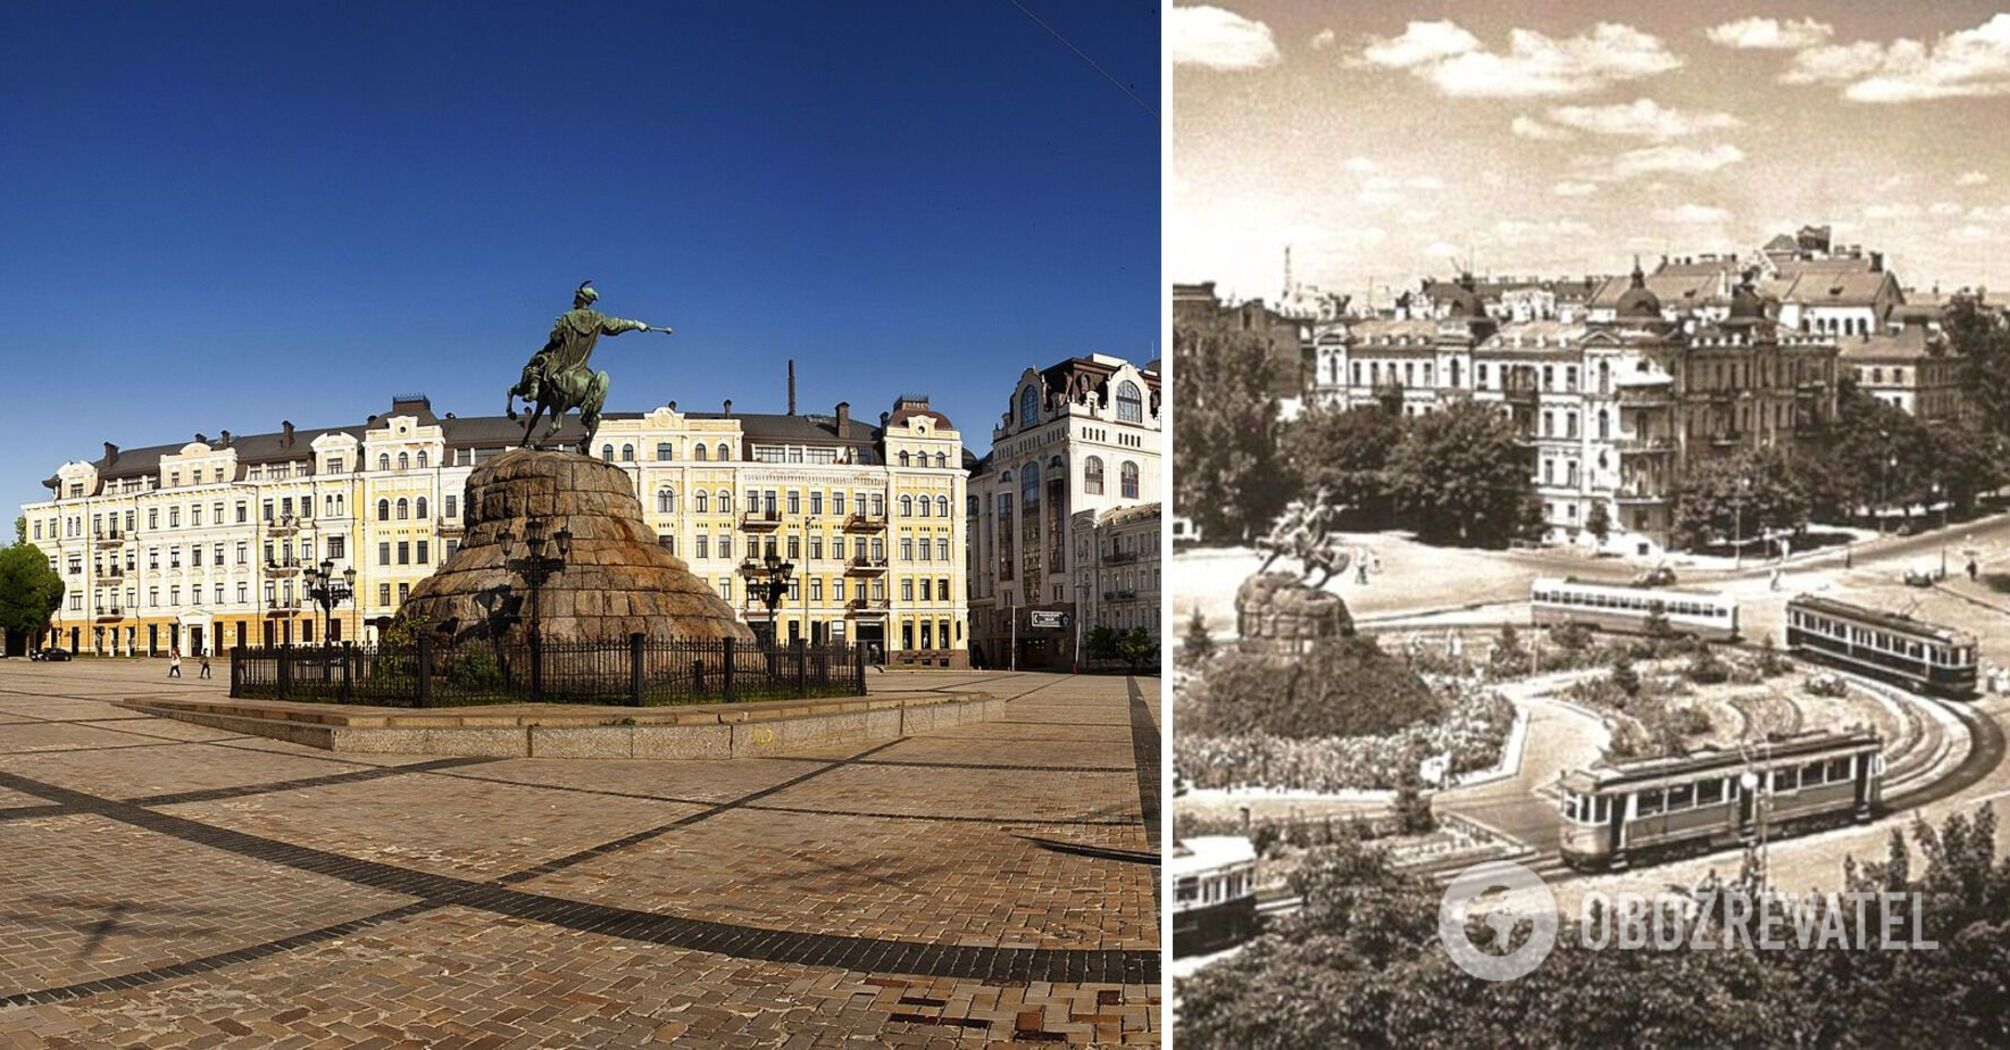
(1591, 545)
(601, 525)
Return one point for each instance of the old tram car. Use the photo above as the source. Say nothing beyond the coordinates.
(1618, 607)
(1890, 646)
(1214, 893)
(1614, 814)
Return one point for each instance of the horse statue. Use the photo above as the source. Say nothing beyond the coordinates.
(1302, 534)
(556, 380)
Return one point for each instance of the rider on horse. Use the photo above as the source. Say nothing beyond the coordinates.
(557, 379)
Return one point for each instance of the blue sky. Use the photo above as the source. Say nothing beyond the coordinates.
(218, 216)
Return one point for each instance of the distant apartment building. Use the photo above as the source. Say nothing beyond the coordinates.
(1614, 408)
(1078, 440)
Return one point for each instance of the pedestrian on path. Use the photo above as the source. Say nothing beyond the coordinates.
(204, 673)
(1973, 571)
(174, 663)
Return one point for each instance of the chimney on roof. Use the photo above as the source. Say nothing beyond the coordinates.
(729, 406)
(285, 433)
(224, 441)
(1877, 262)
(673, 406)
(792, 386)
(199, 439)
(844, 419)
(111, 453)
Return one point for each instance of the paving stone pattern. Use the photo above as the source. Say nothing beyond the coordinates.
(170, 885)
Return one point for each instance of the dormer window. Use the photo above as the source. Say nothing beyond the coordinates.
(1029, 406)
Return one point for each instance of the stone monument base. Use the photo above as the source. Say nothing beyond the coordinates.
(617, 581)
(1278, 612)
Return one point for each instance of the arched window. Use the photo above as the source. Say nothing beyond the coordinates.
(942, 506)
(1604, 425)
(404, 461)
(1092, 476)
(907, 506)
(702, 453)
(607, 453)
(628, 453)
(404, 509)
(666, 501)
(420, 510)
(925, 508)
(1029, 490)
(904, 460)
(704, 500)
(383, 461)
(1130, 404)
(941, 460)
(725, 502)
(1029, 406)
(1127, 476)
(723, 454)
(422, 460)
(383, 510)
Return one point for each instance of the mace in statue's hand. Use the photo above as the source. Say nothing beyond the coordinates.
(665, 329)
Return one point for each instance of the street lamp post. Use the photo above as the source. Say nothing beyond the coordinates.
(327, 589)
(535, 567)
(1940, 498)
(771, 575)
(1738, 522)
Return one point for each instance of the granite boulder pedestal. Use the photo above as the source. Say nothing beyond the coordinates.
(617, 581)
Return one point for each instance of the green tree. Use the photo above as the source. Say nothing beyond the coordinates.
(1227, 477)
(1347, 453)
(1739, 496)
(1136, 648)
(29, 589)
(1598, 522)
(1462, 476)
(1624, 676)
(1101, 644)
(1978, 334)
(1196, 645)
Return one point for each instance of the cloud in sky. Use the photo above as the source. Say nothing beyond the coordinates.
(1323, 39)
(1534, 65)
(1770, 34)
(1361, 165)
(1641, 118)
(1970, 63)
(1971, 178)
(1573, 188)
(1531, 128)
(1662, 160)
(1696, 215)
(1217, 39)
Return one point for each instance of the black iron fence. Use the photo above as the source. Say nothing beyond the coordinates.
(640, 672)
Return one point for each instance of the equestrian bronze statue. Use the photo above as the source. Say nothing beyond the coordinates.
(1303, 534)
(557, 380)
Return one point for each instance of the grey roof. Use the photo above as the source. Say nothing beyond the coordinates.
(489, 432)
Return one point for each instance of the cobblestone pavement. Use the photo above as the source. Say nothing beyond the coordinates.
(169, 885)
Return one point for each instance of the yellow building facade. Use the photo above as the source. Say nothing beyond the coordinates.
(205, 545)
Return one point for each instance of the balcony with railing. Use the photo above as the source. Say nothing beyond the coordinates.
(761, 520)
(279, 605)
(110, 537)
(1120, 557)
(1655, 395)
(111, 573)
(284, 525)
(110, 612)
(282, 567)
(864, 566)
(865, 607)
(1120, 596)
(1640, 491)
(863, 522)
(1654, 444)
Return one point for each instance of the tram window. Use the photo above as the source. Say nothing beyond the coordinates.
(1681, 796)
(1838, 770)
(1813, 774)
(1786, 779)
(1650, 803)
(1188, 889)
(1709, 792)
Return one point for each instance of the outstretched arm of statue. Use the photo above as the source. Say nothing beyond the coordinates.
(618, 325)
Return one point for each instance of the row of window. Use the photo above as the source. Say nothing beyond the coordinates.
(404, 509)
(1643, 603)
(1130, 404)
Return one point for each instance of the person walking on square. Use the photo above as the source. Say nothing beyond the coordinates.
(204, 673)
(174, 663)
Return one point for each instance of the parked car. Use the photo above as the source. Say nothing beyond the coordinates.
(1658, 576)
(51, 653)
